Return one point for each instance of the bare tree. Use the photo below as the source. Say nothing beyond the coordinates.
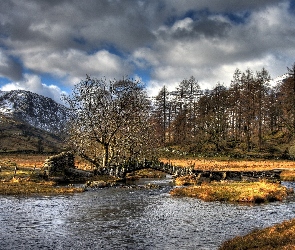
(109, 120)
(291, 73)
(161, 112)
(286, 101)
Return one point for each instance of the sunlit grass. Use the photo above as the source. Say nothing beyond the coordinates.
(288, 175)
(27, 187)
(254, 192)
(235, 165)
(23, 160)
(185, 180)
(278, 237)
(21, 176)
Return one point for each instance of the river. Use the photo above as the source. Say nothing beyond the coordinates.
(125, 218)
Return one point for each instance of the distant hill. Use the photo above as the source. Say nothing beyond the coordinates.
(38, 111)
(30, 122)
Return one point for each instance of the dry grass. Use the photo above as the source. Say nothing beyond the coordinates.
(28, 160)
(254, 192)
(278, 237)
(186, 180)
(288, 175)
(36, 161)
(236, 165)
(26, 187)
(23, 160)
(25, 181)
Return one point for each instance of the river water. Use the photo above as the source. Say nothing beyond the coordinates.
(125, 218)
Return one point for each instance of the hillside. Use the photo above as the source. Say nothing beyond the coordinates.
(16, 136)
(30, 123)
(36, 110)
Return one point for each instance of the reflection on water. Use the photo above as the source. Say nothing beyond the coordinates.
(121, 218)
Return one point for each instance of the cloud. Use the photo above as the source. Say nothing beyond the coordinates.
(72, 65)
(33, 83)
(168, 39)
(63, 24)
(181, 7)
(213, 47)
(9, 68)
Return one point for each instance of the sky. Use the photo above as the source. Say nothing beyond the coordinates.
(48, 46)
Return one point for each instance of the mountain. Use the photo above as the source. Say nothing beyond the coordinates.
(36, 110)
(30, 122)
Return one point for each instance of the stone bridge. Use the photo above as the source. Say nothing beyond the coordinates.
(64, 163)
(121, 170)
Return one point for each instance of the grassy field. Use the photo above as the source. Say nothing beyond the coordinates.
(229, 164)
(30, 160)
(19, 175)
(278, 237)
(288, 167)
(22, 160)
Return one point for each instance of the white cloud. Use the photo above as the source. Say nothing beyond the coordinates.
(266, 39)
(72, 64)
(172, 39)
(34, 84)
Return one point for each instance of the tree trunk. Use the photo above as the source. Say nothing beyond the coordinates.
(105, 159)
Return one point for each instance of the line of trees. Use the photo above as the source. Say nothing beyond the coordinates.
(115, 121)
(248, 115)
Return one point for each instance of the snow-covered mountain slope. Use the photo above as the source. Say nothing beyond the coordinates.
(36, 110)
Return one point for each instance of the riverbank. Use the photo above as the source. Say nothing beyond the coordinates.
(280, 236)
(253, 192)
(26, 187)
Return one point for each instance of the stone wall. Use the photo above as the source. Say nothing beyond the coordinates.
(58, 164)
(273, 175)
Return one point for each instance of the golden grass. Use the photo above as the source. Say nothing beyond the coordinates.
(28, 160)
(25, 181)
(278, 237)
(31, 161)
(185, 180)
(254, 192)
(23, 160)
(235, 165)
(288, 175)
(27, 187)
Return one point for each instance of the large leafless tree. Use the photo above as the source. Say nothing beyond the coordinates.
(109, 120)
